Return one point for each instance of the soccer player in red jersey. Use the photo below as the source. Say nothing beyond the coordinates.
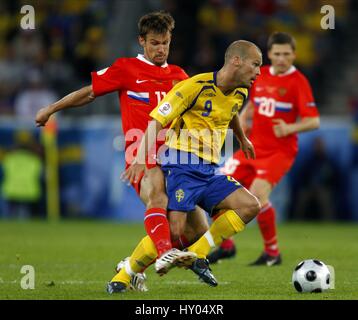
(141, 82)
(279, 96)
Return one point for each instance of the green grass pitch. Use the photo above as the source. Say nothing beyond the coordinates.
(74, 260)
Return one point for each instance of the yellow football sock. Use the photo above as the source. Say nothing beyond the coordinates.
(142, 256)
(225, 226)
(122, 276)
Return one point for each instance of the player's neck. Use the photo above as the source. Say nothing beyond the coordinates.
(224, 82)
(146, 59)
(277, 72)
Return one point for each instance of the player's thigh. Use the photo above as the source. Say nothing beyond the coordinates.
(261, 188)
(239, 199)
(196, 225)
(243, 202)
(152, 189)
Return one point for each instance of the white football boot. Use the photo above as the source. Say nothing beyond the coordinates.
(174, 258)
(138, 280)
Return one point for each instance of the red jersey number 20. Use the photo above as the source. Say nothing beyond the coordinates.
(267, 107)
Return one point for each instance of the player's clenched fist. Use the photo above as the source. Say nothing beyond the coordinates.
(248, 149)
(42, 117)
(133, 173)
(281, 128)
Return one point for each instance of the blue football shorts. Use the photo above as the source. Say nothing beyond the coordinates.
(194, 183)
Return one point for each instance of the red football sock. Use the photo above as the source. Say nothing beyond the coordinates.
(157, 226)
(267, 224)
(181, 243)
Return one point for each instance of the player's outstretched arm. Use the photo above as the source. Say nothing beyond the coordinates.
(245, 144)
(283, 129)
(75, 99)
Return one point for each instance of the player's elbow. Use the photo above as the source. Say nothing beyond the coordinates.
(316, 123)
(90, 94)
(311, 123)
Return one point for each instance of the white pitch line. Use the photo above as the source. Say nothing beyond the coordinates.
(83, 282)
(191, 282)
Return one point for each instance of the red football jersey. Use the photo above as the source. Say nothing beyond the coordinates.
(140, 85)
(285, 97)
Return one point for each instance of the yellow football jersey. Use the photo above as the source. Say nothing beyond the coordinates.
(200, 114)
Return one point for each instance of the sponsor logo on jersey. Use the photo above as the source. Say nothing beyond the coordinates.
(141, 81)
(165, 109)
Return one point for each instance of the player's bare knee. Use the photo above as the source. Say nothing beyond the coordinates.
(250, 210)
(253, 208)
(256, 207)
(157, 200)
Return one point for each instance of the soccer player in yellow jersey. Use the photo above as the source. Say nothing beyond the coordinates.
(201, 110)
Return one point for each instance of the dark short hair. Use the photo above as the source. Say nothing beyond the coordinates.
(281, 38)
(159, 22)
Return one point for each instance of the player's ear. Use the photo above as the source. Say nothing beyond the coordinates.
(141, 40)
(236, 61)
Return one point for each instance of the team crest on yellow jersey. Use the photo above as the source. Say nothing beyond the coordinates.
(179, 195)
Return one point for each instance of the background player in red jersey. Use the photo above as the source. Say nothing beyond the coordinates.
(141, 82)
(279, 96)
